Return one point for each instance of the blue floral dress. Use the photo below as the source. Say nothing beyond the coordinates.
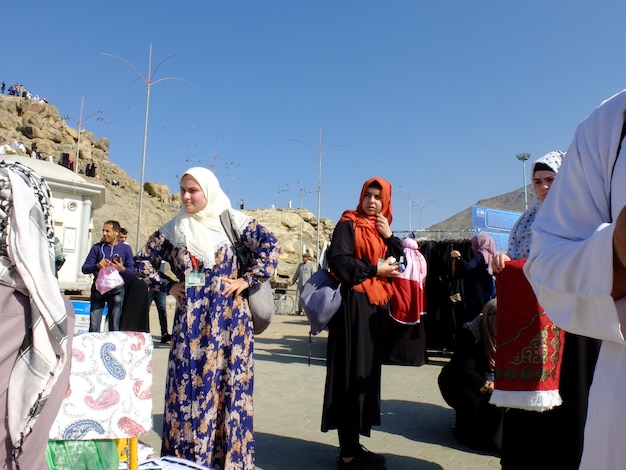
(208, 415)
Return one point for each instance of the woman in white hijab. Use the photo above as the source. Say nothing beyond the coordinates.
(553, 438)
(36, 318)
(208, 416)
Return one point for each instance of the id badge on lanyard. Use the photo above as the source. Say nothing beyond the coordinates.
(195, 279)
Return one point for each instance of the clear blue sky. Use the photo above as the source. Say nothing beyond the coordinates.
(436, 96)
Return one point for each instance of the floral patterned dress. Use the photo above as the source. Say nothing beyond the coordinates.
(208, 415)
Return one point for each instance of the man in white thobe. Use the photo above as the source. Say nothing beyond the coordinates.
(577, 269)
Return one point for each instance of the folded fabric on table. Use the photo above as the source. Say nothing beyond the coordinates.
(110, 393)
(529, 347)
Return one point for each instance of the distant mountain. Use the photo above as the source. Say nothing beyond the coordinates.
(460, 225)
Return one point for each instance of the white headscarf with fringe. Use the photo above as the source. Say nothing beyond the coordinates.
(202, 232)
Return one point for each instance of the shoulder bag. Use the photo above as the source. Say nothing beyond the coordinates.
(320, 297)
(260, 296)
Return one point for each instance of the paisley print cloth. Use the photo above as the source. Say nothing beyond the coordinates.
(110, 393)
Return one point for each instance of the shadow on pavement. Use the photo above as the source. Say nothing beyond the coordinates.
(284, 453)
(291, 349)
(423, 422)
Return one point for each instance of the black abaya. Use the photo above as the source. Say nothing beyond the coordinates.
(355, 341)
(135, 312)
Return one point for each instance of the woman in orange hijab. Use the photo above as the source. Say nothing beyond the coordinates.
(361, 255)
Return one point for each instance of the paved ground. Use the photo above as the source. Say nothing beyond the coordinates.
(416, 422)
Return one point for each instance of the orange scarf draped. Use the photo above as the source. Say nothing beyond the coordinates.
(368, 243)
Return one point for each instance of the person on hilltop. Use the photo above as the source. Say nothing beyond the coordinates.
(361, 256)
(208, 416)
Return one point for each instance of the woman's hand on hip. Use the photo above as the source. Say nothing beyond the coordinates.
(178, 292)
(234, 286)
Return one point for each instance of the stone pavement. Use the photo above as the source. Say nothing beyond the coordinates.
(416, 422)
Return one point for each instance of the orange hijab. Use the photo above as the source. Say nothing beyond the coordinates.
(368, 243)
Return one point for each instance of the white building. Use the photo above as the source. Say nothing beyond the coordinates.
(74, 199)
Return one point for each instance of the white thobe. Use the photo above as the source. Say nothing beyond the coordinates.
(570, 267)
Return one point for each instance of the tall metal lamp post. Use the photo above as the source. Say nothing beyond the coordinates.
(319, 152)
(149, 81)
(301, 193)
(523, 157)
(421, 208)
(80, 123)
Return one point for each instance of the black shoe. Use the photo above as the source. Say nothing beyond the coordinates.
(370, 456)
(166, 338)
(359, 463)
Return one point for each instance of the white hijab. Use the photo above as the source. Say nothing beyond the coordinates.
(521, 233)
(202, 232)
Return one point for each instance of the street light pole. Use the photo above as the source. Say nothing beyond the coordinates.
(410, 210)
(523, 157)
(319, 152)
(302, 192)
(80, 123)
(421, 208)
(149, 81)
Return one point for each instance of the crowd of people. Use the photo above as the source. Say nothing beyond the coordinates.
(535, 374)
(18, 90)
(65, 159)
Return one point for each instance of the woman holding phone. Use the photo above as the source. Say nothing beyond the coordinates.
(361, 255)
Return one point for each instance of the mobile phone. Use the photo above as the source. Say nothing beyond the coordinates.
(398, 261)
(116, 257)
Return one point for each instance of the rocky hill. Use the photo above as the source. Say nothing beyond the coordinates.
(35, 122)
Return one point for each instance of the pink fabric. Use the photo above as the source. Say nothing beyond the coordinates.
(484, 244)
(408, 303)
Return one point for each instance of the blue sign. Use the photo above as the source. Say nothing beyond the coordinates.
(495, 219)
(497, 223)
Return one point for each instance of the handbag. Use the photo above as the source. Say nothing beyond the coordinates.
(108, 279)
(320, 297)
(260, 296)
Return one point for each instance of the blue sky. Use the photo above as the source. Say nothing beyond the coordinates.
(436, 96)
